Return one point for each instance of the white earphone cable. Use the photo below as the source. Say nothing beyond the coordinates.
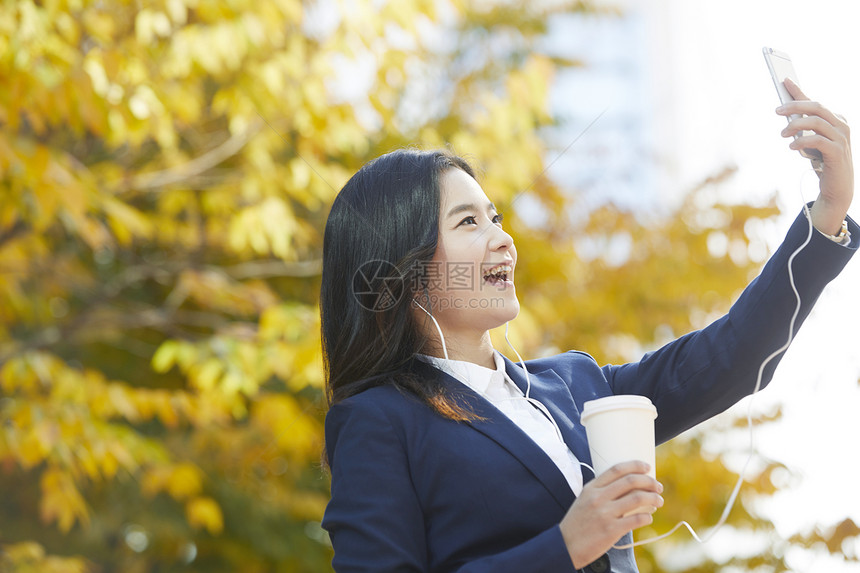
(439, 330)
(741, 475)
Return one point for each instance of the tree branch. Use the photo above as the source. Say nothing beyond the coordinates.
(240, 271)
(13, 231)
(198, 165)
(265, 269)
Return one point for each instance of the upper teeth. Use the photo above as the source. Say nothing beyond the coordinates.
(501, 269)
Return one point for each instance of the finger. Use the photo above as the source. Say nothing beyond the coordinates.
(827, 147)
(630, 484)
(636, 521)
(814, 108)
(815, 124)
(638, 502)
(620, 470)
(794, 89)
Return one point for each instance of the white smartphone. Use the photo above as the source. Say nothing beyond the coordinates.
(780, 67)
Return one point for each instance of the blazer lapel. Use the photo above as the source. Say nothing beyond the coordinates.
(550, 390)
(499, 428)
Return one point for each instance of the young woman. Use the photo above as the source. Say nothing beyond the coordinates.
(447, 456)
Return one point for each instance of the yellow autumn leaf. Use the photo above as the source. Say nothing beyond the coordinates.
(164, 407)
(207, 374)
(61, 500)
(126, 221)
(26, 551)
(185, 480)
(86, 461)
(204, 513)
(154, 480)
(123, 401)
(165, 356)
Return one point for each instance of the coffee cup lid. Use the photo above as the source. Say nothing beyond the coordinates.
(615, 402)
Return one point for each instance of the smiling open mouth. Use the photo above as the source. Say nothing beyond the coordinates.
(498, 275)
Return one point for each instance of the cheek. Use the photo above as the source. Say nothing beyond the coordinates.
(453, 273)
(462, 278)
(453, 258)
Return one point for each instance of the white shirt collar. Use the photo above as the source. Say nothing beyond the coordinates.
(476, 377)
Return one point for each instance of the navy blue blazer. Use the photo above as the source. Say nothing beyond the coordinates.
(413, 491)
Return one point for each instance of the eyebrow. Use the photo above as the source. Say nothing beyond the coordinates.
(467, 207)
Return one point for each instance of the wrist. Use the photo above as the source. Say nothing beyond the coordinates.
(826, 218)
(841, 237)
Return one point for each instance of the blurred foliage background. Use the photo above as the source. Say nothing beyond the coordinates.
(166, 168)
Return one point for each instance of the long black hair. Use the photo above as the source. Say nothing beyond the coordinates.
(381, 232)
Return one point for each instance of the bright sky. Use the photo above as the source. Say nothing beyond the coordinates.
(720, 111)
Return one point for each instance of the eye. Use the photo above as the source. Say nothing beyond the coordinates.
(470, 220)
(498, 219)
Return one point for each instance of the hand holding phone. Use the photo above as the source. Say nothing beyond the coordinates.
(780, 67)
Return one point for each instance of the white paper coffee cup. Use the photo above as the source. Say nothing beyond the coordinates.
(620, 429)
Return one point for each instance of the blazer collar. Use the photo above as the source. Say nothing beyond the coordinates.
(547, 387)
(553, 392)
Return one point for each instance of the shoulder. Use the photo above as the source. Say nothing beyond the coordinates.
(383, 403)
(571, 362)
(382, 394)
(360, 423)
(385, 412)
(579, 370)
(390, 425)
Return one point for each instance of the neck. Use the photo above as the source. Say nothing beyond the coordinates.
(476, 349)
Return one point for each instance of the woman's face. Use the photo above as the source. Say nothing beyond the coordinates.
(471, 277)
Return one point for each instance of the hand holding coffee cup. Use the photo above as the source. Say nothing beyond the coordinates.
(621, 428)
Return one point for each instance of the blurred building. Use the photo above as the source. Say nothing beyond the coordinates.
(614, 141)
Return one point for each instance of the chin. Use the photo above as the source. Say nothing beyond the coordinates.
(508, 312)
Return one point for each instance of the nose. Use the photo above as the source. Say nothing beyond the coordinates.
(500, 240)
